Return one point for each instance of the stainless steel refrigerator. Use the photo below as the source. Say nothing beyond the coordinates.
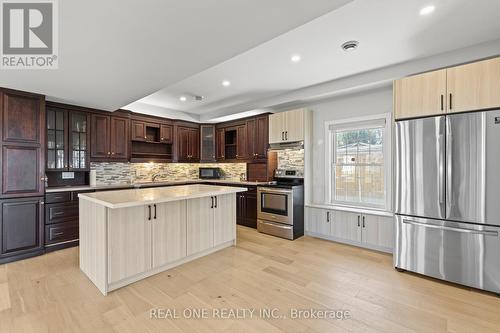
(448, 198)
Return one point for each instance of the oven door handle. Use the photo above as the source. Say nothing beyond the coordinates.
(288, 227)
(271, 190)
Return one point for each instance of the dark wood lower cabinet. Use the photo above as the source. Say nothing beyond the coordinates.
(246, 208)
(21, 228)
(61, 219)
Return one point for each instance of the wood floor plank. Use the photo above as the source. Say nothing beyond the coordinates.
(50, 294)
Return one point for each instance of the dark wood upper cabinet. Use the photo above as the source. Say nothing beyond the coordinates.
(21, 117)
(188, 144)
(207, 145)
(166, 133)
(194, 144)
(78, 140)
(220, 144)
(67, 139)
(138, 130)
(257, 137)
(110, 138)
(21, 174)
(100, 148)
(21, 225)
(241, 142)
(23, 141)
(119, 140)
(261, 136)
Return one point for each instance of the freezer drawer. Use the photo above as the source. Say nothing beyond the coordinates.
(420, 163)
(457, 252)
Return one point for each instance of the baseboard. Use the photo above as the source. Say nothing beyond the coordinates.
(350, 242)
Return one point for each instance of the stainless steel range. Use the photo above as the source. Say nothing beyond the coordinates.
(280, 207)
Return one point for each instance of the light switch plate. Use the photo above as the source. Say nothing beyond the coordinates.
(68, 175)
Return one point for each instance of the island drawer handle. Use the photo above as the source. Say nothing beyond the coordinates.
(212, 202)
(149, 216)
(215, 202)
(155, 211)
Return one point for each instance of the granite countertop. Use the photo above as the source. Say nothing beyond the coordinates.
(153, 184)
(144, 196)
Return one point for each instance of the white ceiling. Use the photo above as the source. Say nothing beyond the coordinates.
(389, 31)
(114, 52)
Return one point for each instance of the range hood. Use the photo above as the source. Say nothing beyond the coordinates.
(286, 145)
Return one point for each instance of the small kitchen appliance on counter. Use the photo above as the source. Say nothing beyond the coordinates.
(210, 173)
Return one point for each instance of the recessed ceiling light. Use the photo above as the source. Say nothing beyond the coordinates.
(183, 98)
(295, 58)
(350, 45)
(226, 83)
(427, 10)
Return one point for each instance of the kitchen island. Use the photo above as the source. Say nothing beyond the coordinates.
(128, 235)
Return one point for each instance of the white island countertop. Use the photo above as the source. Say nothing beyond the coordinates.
(144, 196)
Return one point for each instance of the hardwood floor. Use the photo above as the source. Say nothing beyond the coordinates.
(50, 294)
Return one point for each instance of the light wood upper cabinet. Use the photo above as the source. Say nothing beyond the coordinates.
(474, 86)
(469, 87)
(420, 95)
(277, 127)
(287, 126)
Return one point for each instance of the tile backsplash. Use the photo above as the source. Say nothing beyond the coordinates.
(112, 173)
(291, 159)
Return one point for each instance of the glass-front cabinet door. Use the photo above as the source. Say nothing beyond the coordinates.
(56, 139)
(78, 139)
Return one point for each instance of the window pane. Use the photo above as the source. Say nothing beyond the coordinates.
(359, 167)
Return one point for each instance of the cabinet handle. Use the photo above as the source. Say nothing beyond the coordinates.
(55, 234)
(112, 153)
(109, 153)
(149, 216)
(327, 216)
(155, 211)
(145, 137)
(451, 101)
(286, 135)
(162, 139)
(358, 221)
(442, 102)
(215, 202)
(212, 202)
(363, 221)
(283, 136)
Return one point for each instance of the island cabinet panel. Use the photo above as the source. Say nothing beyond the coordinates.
(200, 224)
(119, 246)
(169, 232)
(224, 218)
(129, 242)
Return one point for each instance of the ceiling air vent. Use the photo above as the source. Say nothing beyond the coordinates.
(198, 98)
(350, 45)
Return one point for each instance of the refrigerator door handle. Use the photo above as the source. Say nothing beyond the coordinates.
(449, 164)
(463, 230)
(441, 194)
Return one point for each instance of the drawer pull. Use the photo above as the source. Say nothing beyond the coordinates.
(58, 213)
(55, 234)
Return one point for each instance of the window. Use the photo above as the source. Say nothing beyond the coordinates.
(359, 165)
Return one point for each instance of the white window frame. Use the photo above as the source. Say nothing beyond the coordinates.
(352, 123)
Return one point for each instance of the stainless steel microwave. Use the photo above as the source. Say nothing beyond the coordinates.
(210, 173)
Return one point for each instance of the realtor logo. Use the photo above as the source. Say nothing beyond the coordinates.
(29, 34)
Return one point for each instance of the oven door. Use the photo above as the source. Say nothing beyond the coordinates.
(275, 204)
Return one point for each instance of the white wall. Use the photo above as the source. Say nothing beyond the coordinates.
(371, 102)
